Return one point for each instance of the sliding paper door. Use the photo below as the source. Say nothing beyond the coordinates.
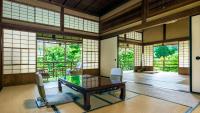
(108, 55)
(195, 32)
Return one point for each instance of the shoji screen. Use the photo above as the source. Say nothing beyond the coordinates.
(78, 23)
(28, 13)
(19, 52)
(134, 35)
(90, 54)
(138, 55)
(184, 54)
(148, 55)
(108, 55)
(195, 32)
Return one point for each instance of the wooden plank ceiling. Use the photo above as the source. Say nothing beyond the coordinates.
(93, 7)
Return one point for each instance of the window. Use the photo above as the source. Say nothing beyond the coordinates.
(19, 51)
(18, 11)
(138, 55)
(86, 26)
(31, 14)
(134, 35)
(44, 16)
(90, 54)
(121, 35)
(73, 22)
(184, 54)
(148, 56)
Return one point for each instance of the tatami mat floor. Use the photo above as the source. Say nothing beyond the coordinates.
(20, 99)
(197, 109)
(143, 104)
(183, 98)
(166, 80)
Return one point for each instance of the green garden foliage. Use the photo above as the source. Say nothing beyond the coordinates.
(54, 54)
(126, 58)
(164, 51)
(73, 54)
(57, 58)
(166, 58)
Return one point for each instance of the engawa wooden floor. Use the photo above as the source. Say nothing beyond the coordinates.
(20, 99)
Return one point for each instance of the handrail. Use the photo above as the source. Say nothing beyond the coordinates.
(55, 70)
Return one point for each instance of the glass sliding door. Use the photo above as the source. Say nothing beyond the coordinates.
(58, 58)
(73, 55)
(51, 57)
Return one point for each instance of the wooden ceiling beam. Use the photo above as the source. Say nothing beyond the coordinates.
(153, 12)
(85, 6)
(159, 21)
(92, 3)
(124, 19)
(145, 14)
(42, 30)
(76, 5)
(64, 2)
(61, 5)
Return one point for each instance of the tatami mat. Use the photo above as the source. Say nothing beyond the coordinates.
(183, 98)
(143, 104)
(97, 100)
(165, 80)
(20, 99)
(197, 109)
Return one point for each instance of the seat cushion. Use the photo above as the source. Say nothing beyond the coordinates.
(60, 98)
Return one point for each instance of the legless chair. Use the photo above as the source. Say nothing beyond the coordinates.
(116, 74)
(49, 100)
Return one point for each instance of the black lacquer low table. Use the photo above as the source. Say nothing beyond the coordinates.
(89, 84)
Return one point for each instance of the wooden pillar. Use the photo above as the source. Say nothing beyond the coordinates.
(164, 32)
(1, 47)
(99, 57)
(145, 8)
(142, 55)
(1, 9)
(164, 40)
(1, 57)
(118, 44)
(62, 19)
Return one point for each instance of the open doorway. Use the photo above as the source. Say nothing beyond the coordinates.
(126, 57)
(166, 58)
(58, 58)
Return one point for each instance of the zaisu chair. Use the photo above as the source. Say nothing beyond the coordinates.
(116, 74)
(49, 100)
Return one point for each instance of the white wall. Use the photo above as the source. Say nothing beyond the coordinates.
(195, 52)
(108, 55)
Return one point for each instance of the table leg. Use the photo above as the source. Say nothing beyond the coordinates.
(59, 86)
(87, 105)
(123, 93)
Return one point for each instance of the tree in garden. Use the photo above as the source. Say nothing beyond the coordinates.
(55, 56)
(163, 52)
(126, 59)
(73, 55)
